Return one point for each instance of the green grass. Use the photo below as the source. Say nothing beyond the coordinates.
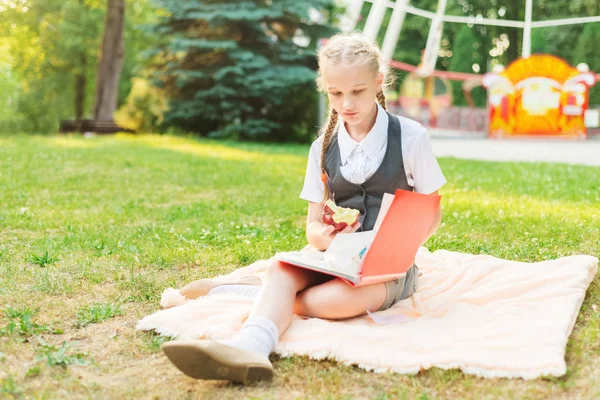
(43, 259)
(92, 230)
(20, 324)
(96, 313)
(61, 356)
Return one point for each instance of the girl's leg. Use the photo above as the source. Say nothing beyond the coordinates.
(277, 297)
(245, 356)
(201, 287)
(337, 300)
(274, 308)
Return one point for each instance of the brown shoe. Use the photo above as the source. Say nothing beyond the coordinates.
(201, 287)
(209, 359)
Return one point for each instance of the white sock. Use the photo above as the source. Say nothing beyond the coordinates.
(258, 334)
(242, 290)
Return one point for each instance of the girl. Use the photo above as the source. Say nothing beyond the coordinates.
(362, 153)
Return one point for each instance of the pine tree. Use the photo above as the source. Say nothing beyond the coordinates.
(240, 69)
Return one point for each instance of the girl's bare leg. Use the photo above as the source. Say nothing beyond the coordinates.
(337, 300)
(245, 357)
(277, 297)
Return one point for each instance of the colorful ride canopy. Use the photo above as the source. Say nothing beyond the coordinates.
(538, 95)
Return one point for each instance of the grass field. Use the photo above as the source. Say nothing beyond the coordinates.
(92, 230)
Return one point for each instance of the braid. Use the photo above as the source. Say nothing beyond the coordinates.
(327, 134)
(347, 50)
(381, 99)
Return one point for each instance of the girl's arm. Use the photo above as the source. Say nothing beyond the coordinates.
(318, 234)
(436, 222)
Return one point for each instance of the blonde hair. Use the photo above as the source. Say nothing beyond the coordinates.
(348, 49)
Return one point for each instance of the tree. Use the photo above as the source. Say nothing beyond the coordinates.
(539, 43)
(145, 107)
(111, 61)
(51, 52)
(464, 56)
(48, 57)
(587, 52)
(241, 69)
(9, 89)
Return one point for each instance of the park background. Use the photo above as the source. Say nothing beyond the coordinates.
(235, 70)
(93, 228)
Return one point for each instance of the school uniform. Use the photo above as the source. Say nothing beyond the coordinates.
(395, 154)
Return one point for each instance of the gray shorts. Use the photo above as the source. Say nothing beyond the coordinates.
(401, 288)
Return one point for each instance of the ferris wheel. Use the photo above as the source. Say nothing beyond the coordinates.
(402, 7)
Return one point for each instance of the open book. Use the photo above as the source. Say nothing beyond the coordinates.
(379, 255)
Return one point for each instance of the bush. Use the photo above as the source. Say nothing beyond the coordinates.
(144, 109)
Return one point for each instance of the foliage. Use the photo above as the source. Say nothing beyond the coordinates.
(97, 312)
(144, 109)
(9, 388)
(587, 52)
(43, 259)
(234, 69)
(49, 44)
(154, 341)
(60, 356)
(465, 56)
(241, 70)
(20, 323)
(45, 45)
(558, 40)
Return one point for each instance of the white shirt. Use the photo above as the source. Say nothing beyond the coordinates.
(360, 160)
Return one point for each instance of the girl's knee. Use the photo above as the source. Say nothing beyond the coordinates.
(337, 300)
(283, 273)
(277, 268)
(321, 300)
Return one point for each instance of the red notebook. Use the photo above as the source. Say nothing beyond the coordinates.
(379, 255)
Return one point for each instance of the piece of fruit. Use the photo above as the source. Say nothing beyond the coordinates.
(339, 217)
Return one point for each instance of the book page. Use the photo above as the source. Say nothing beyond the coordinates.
(310, 256)
(314, 259)
(343, 257)
(386, 201)
(346, 251)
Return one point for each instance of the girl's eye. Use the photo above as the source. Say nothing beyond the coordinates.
(335, 94)
(359, 91)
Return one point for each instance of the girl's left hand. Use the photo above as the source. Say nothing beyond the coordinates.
(329, 230)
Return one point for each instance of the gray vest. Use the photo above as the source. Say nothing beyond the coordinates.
(367, 196)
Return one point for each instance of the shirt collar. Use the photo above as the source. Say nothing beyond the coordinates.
(371, 144)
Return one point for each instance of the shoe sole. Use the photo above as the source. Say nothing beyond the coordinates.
(202, 363)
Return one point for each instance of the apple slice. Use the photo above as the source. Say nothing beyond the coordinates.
(339, 217)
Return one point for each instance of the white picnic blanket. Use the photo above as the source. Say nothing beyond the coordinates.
(487, 316)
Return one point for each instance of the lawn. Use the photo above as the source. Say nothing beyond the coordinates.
(93, 229)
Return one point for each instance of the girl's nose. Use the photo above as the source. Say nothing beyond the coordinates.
(348, 103)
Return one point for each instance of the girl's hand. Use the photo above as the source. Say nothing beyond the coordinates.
(329, 231)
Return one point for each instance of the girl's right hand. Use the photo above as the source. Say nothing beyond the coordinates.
(329, 231)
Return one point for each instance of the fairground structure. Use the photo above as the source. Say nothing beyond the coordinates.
(536, 95)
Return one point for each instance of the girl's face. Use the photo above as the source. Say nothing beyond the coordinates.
(352, 92)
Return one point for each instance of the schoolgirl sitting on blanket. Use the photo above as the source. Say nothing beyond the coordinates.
(363, 152)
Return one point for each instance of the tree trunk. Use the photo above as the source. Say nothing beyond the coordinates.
(111, 61)
(80, 83)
